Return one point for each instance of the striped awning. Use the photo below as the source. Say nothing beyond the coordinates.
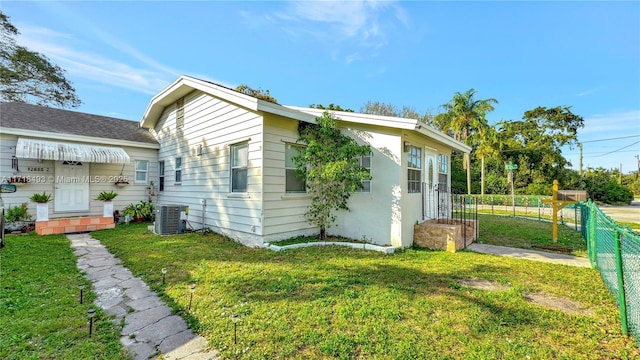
(65, 151)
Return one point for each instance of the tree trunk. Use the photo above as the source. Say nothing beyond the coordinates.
(323, 233)
(482, 176)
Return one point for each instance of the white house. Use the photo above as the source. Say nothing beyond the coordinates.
(226, 155)
(73, 156)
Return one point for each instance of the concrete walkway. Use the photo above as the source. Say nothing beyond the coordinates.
(533, 255)
(150, 330)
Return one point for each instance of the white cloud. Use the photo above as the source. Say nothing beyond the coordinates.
(131, 69)
(627, 122)
(360, 25)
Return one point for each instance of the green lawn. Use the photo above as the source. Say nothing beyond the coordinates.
(40, 313)
(336, 302)
(526, 233)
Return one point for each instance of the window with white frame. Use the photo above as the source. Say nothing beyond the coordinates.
(294, 181)
(161, 175)
(142, 171)
(239, 164)
(365, 162)
(178, 170)
(443, 171)
(414, 169)
(180, 113)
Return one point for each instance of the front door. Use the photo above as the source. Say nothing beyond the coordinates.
(430, 181)
(71, 186)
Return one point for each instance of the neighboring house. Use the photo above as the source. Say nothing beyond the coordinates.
(74, 156)
(227, 155)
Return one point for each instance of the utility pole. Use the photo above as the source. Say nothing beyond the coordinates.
(620, 173)
(580, 146)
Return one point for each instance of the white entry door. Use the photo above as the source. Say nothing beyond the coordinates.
(430, 181)
(71, 186)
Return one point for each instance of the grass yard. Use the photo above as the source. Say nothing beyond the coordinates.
(336, 302)
(40, 313)
(526, 233)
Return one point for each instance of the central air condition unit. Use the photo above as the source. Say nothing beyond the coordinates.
(171, 219)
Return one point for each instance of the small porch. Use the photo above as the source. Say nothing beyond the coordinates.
(74, 225)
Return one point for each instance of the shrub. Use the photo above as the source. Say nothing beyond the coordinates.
(140, 211)
(17, 213)
(106, 196)
(40, 198)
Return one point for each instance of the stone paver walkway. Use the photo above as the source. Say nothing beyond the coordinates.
(533, 255)
(150, 330)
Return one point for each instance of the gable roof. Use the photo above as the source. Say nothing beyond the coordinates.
(186, 84)
(41, 121)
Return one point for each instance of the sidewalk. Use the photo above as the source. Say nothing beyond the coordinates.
(150, 330)
(533, 255)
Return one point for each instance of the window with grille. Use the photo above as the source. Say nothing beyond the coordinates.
(365, 162)
(294, 181)
(178, 170)
(414, 169)
(142, 170)
(239, 164)
(161, 175)
(180, 113)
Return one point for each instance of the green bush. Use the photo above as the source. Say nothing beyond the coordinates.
(17, 213)
(140, 211)
(615, 193)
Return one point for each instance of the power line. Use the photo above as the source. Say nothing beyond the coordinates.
(622, 148)
(616, 138)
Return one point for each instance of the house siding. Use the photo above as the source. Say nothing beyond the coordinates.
(101, 176)
(214, 125)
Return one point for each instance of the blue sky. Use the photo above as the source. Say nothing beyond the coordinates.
(524, 54)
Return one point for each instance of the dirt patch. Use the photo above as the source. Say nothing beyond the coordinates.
(482, 284)
(558, 303)
(549, 301)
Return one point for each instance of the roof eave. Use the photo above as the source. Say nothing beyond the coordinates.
(78, 138)
(390, 121)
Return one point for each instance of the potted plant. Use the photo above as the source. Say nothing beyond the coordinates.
(18, 180)
(106, 196)
(121, 182)
(107, 204)
(140, 211)
(42, 207)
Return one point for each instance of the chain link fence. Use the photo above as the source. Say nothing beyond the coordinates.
(615, 252)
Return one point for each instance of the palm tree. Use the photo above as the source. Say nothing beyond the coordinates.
(488, 146)
(467, 116)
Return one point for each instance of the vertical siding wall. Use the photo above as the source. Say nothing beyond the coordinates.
(100, 175)
(214, 124)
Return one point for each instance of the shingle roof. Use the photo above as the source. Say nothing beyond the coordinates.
(42, 118)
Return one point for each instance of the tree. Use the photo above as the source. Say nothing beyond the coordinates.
(330, 161)
(466, 116)
(256, 93)
(28, 76)
(388, 109)
(331, 107)
(534, 143)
